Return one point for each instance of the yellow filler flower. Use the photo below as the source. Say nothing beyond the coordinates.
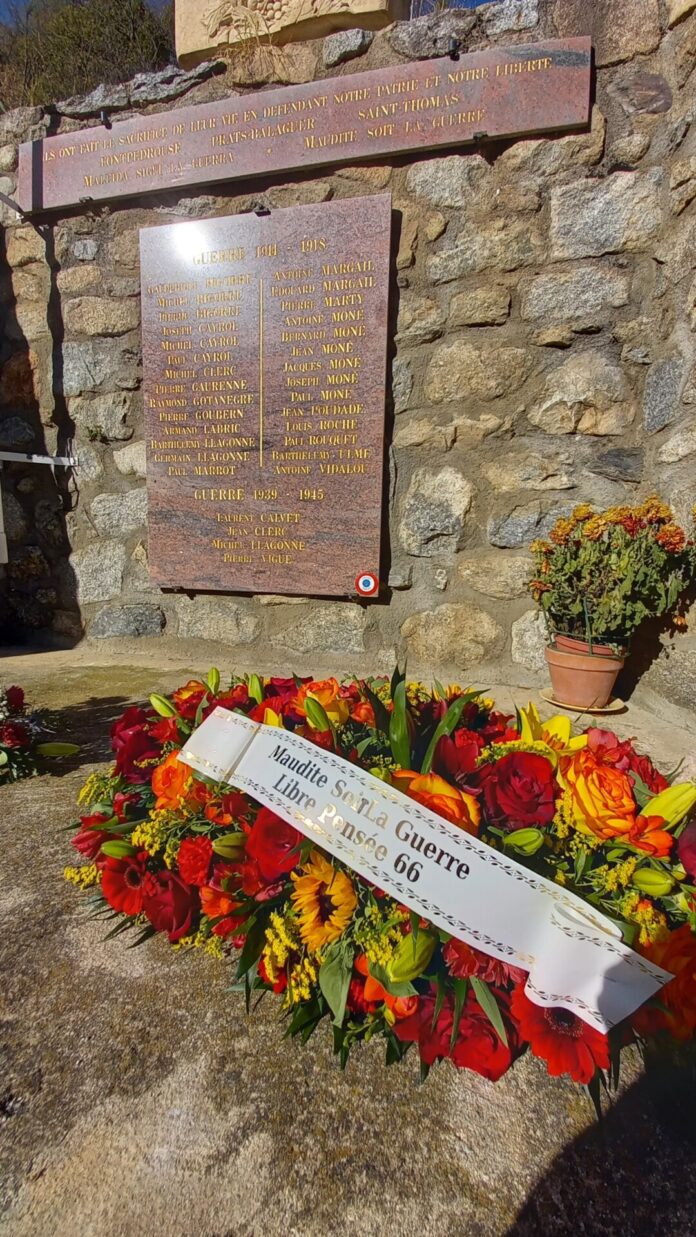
(324, 901)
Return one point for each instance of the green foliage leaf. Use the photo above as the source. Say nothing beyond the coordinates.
(254, 943)
(379, 709)
(255, 688)
(334, 978)
(398, 728)
(490, 1007)
(461, 987)
(394, 988)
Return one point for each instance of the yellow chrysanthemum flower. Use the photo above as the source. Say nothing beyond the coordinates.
(324, 901)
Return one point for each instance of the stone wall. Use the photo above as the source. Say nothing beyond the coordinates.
(543, 302)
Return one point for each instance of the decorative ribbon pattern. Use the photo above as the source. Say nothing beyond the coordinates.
(575, 956)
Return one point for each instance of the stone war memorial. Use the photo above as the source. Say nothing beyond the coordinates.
(348, 620)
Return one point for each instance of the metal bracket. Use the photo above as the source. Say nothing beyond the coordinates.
(8, 201)
(28, 457)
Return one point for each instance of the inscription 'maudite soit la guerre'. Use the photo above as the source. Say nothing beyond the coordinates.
(501, 92)
(264, 343)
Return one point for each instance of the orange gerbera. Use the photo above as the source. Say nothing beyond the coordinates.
(599, 795)
(442, 798)
(324, 899)
(171, 781)
(675, 953)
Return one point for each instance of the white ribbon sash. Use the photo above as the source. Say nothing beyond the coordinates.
(574, 955)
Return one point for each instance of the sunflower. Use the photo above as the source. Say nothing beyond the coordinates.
(324, 899)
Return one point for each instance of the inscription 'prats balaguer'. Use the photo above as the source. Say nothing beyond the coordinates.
(264, 344)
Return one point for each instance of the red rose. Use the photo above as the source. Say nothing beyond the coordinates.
(170, 904)
(15, 699)
(166, 730)
(477, 1046)
(14, 734)
(193, 860)
(274, 845)
(123, 882)
(518, 791)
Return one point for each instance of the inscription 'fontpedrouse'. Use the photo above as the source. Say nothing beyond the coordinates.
(264, 341)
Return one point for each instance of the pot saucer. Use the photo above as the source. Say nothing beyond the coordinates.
(615, 705)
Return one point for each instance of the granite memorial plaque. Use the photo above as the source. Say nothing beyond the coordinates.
(264, 342)
(498, 93)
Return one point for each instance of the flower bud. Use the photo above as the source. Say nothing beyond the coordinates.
(525, 841)
(411, 957)
(655, 884)
(163, 706)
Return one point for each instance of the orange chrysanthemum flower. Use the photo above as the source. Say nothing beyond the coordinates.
(672, 538)
(324, 901)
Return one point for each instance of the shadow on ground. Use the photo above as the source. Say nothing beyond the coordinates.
(632, 1175)
(87, 724)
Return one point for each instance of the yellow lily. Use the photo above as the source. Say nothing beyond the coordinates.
(672, 804)
(556, 734)
(271, 718)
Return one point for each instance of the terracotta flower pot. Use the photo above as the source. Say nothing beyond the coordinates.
(583, 680)
(571, 644)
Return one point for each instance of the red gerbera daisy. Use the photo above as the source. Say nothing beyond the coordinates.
(559, 1037)
(122, 882)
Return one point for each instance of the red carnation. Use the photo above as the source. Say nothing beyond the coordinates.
(14, 734)
(123, 882)
(518, 791)
(170, 904)
(559, 1037)
(646, 771)
(193, 860)
(273, 844)
(463, 960)
(15, 699)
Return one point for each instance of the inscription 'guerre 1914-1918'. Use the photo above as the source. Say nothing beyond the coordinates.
(264, 347)
(497, 93)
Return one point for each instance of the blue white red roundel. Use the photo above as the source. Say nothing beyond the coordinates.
(367, 584)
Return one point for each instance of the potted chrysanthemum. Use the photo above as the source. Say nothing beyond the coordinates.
(597, 578)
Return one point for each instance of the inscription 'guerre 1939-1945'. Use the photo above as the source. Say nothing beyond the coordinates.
(264, 347)
(497, 93)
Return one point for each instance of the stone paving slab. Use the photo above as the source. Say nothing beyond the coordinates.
(136, 1097)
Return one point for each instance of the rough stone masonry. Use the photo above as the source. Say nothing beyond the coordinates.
(543, 303)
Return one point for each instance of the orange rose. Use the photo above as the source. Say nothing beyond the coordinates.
(170, 782)
(327, 694)
(437, 794)
(676, 953)
(601, 797)
(363, 712)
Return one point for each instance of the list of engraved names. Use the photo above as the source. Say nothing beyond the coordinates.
(264, 343)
